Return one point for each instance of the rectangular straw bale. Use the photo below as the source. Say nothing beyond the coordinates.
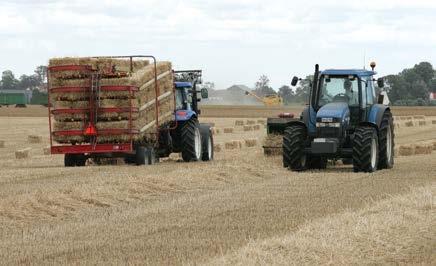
(230, 145)
(2, 143)
(228, 130)
(434, 144)
(256, 127)
(238, 143)
(217, 147)
(251, 122)
(423, 148)
(433, 122)
(47, 150)
(34, 139)
(261, 121)
(250, 142)
(422, 123)
(419, 117)
(406, 150)
(239, 122)
(409, 124)
(248, 128)
(214, 130)
(23, 153)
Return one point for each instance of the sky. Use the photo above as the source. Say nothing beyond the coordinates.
(232, 41)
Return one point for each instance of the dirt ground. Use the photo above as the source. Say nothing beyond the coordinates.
(195, 213)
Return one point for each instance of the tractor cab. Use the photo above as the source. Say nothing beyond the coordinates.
(186, 92)
(344, 120)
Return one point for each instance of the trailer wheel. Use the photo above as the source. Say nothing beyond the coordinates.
(152, 158)
(69, 160)
(191, 141)
(365, 149)
(142, 155)
(386, 142)
(206, 143)
(293, 147)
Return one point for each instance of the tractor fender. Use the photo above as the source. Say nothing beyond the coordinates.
(185, 115)
(296, 122)
(368, 124)
(376, 113)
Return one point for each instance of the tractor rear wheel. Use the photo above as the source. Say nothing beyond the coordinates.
(386, 142)
(207, 144)
(365, 149)
(293, 147)
(191, 141)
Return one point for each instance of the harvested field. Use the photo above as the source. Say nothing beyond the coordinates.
(243, 207)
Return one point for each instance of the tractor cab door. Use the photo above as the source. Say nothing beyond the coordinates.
(367, 96)
(183, 98)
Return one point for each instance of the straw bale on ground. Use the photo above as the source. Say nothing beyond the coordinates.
(261, 121)
(47, 150)
(422, 123)
(2, 143)
(228, 130)
(409, 124)
(406, 150)
(251, 122)
(419, 117)
(217, 147)
(248, 128)
(23, 153)
(250, 142)
(423, 148)
(256, 127)
(34, 139)
(239, 122)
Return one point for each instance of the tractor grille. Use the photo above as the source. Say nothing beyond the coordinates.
(329, 132)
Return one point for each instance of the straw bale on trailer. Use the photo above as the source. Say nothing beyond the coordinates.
(23, 153)
(34, 139)
(250, 142)
(143, 77)
(2, 143)
(406, 150)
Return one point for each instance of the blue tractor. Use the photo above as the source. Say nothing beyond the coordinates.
(192, 139)
(344, 120)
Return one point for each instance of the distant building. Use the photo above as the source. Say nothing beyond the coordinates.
(27, 93)
(432, 96)
(234, 95)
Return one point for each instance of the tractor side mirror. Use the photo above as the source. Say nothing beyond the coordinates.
(204, 93)
(380, 82)
(294, 81)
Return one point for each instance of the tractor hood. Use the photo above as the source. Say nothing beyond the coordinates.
(334, 112)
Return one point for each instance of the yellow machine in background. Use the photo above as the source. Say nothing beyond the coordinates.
(267, 100)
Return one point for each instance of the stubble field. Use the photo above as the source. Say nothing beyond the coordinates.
(242, 208)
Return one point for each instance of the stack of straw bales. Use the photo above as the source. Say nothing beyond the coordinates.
(273, 144)
(113, 72)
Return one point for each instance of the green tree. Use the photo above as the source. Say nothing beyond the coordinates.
(28, 82)
(286, 93)
(303, 89)
(41, 73)
(262, 88)
(8, 82)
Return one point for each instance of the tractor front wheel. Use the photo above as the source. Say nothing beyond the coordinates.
(294, 141)
(191, 141)
(386, 142)
(365, 149)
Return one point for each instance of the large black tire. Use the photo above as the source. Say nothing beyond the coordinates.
(386, 142)
(141, 155)
(294, 141)
(365, 149)
(70, 160)
(191, 141)
(206, 143)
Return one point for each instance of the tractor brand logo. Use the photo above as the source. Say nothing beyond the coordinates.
(327, 119)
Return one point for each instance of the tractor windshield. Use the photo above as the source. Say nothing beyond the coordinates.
(338, 89)
(183, 98)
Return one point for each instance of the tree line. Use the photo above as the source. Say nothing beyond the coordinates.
(36, 81)
(412, 86)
